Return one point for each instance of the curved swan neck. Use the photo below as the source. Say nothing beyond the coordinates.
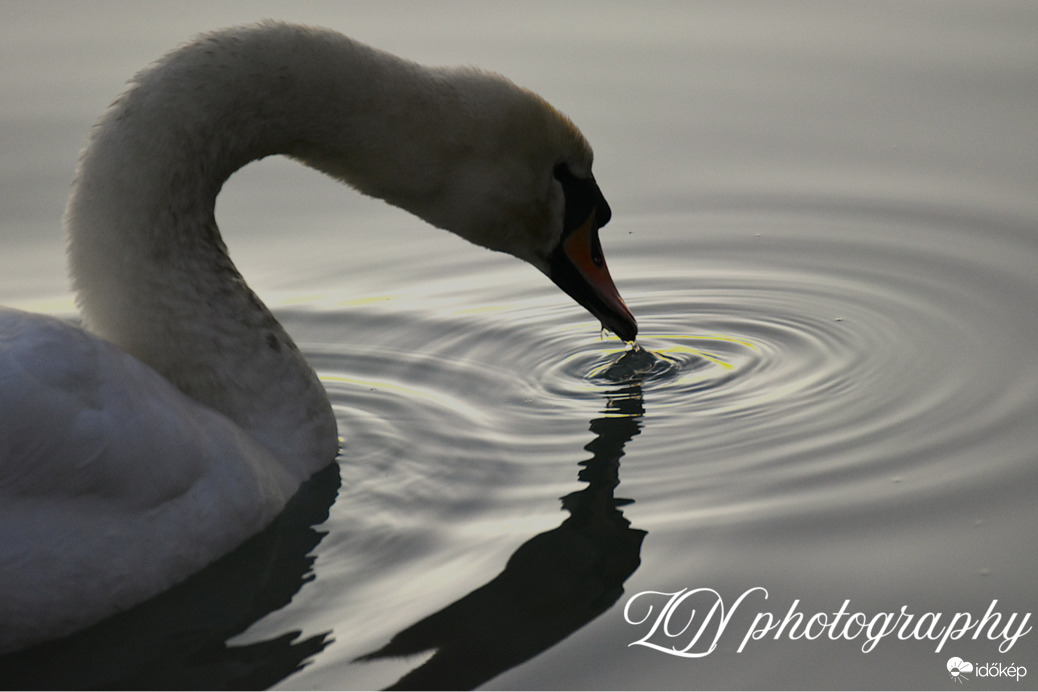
(465, 150)
(148, 264)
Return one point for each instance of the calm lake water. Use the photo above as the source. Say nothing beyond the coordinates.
(825, 219)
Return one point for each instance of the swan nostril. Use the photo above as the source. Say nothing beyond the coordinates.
(597, 256)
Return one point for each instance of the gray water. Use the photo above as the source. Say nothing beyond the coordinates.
(825, 221)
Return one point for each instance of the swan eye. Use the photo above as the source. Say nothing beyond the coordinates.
(582, 197)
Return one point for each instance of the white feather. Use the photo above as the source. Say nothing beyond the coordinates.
(179, 423)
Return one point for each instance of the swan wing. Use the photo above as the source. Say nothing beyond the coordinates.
(81, 417)
(113, 484)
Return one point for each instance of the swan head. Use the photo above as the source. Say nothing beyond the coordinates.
(475, 154)
(526, 188)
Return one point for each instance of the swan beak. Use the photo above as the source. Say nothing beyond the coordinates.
(578, 267)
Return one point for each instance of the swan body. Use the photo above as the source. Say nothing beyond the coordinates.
(183, 417)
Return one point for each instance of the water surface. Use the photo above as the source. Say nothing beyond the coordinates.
(825, 222)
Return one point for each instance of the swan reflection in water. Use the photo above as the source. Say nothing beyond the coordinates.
(554, 584)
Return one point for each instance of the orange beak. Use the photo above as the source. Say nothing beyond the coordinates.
(578, 267)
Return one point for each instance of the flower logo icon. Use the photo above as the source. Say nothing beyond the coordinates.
(957, 668)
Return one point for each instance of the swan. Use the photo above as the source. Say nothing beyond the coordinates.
(182, 417)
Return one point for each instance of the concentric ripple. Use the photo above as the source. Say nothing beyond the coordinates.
(824, 357)
(823, 363)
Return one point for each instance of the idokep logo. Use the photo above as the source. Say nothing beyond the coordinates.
(958, 668)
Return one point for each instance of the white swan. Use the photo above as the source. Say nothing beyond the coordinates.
(133, 454)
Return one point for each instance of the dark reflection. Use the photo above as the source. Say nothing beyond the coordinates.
(178, 639)
(553, 585)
